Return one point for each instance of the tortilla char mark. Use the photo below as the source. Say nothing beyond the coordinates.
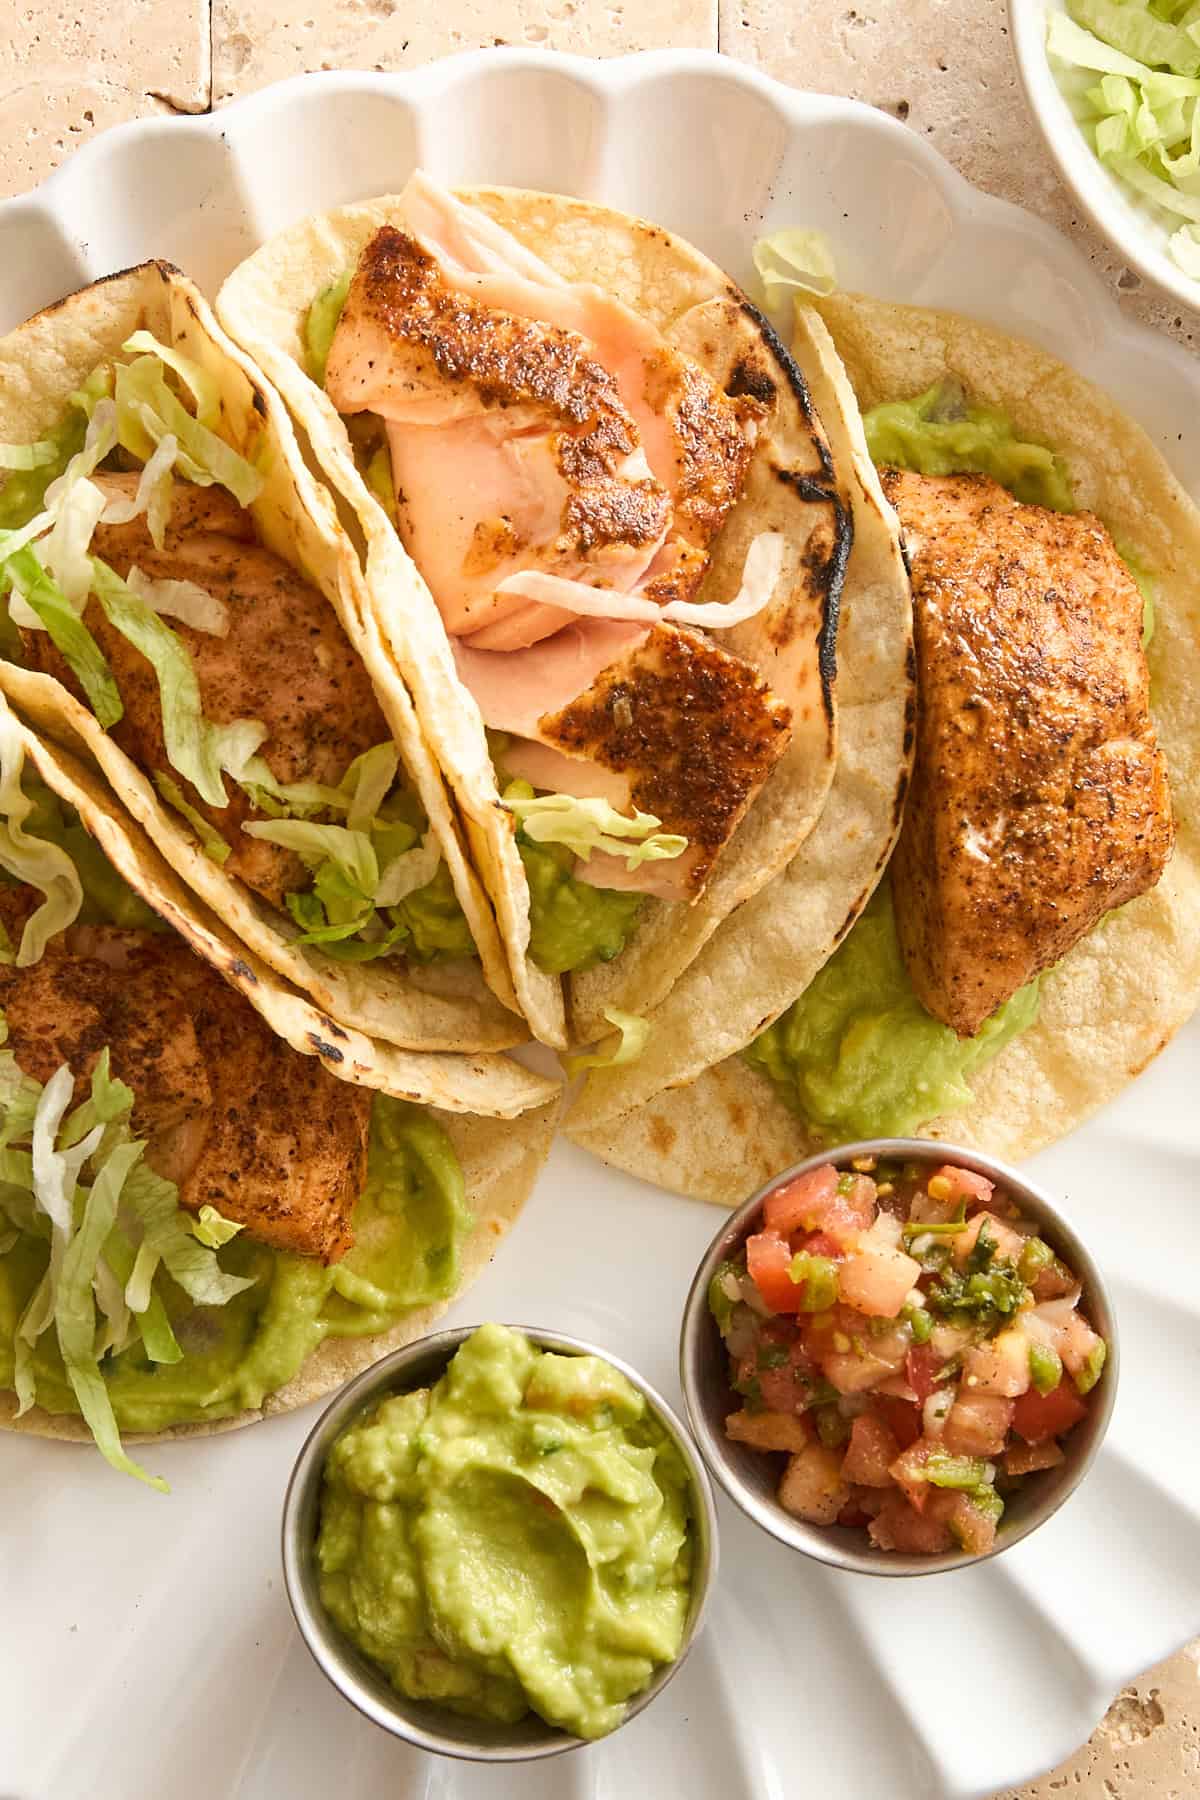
(1039, 799)
(233, 1116)
(694, 730)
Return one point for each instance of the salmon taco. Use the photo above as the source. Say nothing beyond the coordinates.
(199, 1225)
(1035, 939)
(603, 538)
(183, 608)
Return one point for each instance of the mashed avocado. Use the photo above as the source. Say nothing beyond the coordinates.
(942, 433)
(514, 1538)
(571, 925)
(410, 1224)
(857, 1055)
(321, 323)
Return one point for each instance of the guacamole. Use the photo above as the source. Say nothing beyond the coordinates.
(321, 322)
(857, 1054)
(942, 433)
(571, 924)
(410, 1224)
(515, 1538)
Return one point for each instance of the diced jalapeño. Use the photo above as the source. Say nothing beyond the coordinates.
(1036, 1256)
(1087, 1377)
(1045, 1368)
(819, 1275)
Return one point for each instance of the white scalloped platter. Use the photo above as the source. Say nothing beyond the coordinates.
(147, 1648)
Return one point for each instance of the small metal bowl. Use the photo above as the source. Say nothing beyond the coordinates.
(750, 1477)
(424, 1723)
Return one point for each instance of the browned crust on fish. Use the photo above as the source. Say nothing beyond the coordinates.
(696, 729)
(231, 1114)
(1039, 799)
(512, 362)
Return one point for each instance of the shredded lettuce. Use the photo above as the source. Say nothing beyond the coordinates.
(153, 495)
(350, 852)
(406, 873)
(367, 783)
(75, 1312)
(211, 842)
(632, 1035)
(204, 388)
(69, 634)
(184, 600)
(186, 733)
(111, 1221)
(32, 860)
(213, 1228)
(147, 411)
(794, 261)
(585, 826)
(1143, 115)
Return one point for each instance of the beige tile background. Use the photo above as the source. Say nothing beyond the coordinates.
(70, 68)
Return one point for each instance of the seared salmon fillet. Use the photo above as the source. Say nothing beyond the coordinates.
(1039, 798)
(234, 1116)
(533, 426)
(285, 661)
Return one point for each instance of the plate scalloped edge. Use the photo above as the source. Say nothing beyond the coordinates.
(203, 190)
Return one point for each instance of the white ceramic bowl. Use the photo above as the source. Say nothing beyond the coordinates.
(1135, 230)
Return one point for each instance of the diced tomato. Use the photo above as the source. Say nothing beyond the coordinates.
(908, 1472)
(977, 1425)
(878, 1280)
(901, 1417)
(819, 1243)
(801, 1202)
(852, 1514)
(1037, 1417)
(780, 1390)
(812, 1487)
(1053, 1282)
(769, 1260)
(899, 1526)
(973, 1529)
(965, 1185)
(1027, 1459)
(870, 1452)
(1076, 1343)
(921, 1365)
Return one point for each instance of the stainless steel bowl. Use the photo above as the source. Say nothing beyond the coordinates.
(423, 1723)
(750, 1477)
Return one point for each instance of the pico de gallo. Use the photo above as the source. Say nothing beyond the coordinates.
(911, 1345)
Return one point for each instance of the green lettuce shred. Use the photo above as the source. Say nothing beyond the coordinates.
(1142, 116)
(586, 826)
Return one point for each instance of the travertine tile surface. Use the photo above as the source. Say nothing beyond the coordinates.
(256, 41)
(68, 68)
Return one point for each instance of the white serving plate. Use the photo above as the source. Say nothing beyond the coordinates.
(146, 1645)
